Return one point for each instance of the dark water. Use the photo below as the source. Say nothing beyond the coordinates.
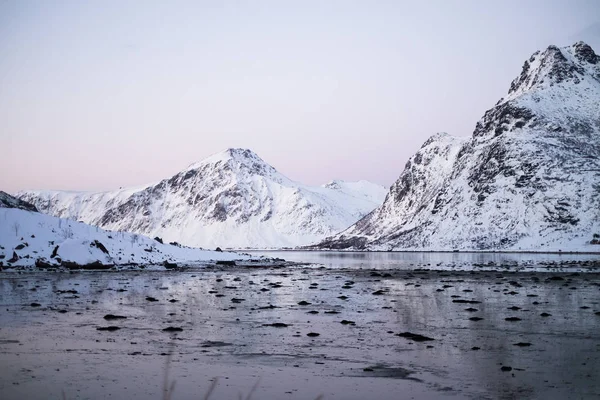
(442, 261)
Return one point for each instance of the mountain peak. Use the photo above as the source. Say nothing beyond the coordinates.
(238, 156)
(240, 153)
(557, 65)
(556, 86)
(585, 53)
(233, 153)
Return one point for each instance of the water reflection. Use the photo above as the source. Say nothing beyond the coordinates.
(443, 261)
(220, 334)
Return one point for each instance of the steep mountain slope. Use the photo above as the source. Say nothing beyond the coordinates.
(8, 201)
(232, 199)
(527, 179)
(29, 238)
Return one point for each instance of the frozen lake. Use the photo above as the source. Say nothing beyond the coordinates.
(307, 331)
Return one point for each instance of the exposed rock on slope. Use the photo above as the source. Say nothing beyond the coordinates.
(527, 179)
(8, 201)
(232, 199)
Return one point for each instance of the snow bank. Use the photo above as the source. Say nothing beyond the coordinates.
(35, 237)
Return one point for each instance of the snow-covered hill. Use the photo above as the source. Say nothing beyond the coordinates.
(29, 238)
(527, 179)
(232, 199)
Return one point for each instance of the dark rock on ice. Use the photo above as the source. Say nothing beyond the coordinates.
(14, 258)
(512, 319)
(461, 301)
(173, 329)
(112, 317)
(108, 328)
(414, 336)
(277, 325)
(100, 246)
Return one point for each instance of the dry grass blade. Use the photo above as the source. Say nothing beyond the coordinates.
(253, 389)
(212, 387)
(171, 389)
(168, 389)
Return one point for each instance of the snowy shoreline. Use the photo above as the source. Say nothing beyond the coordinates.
(29, 239)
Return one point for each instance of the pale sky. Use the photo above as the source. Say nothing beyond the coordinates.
(95, 95)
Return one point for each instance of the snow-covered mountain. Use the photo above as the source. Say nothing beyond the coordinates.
(30, 238)
(232, 199)
(527, 179)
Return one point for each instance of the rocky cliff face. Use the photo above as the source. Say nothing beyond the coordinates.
(8, 201)
(231, 199)
(527, 179)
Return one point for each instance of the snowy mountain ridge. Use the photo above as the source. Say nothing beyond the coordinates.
(527, 179)
(231, 199)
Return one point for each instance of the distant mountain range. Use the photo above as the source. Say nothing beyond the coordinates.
(528, 178)
(232, 199)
